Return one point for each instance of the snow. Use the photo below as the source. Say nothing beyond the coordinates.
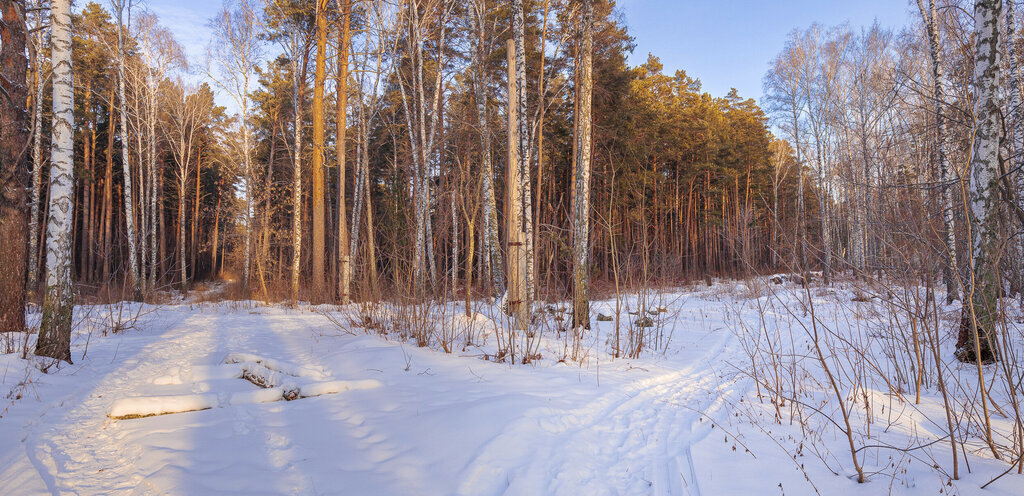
(145, 406)
(242, 398)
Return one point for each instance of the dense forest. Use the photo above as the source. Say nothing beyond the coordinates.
(434, 149)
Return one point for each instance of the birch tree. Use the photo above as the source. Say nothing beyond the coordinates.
(58, 302)
(950, 272)
(1016, 123)
(523, 143)
(980, 312)
(491, 247)
(187, 113)
(344, 42)
(237, 52)
(581, 173)
(37, 149)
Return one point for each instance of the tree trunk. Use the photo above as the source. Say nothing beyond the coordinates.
(37, 164)
(523, 143)
(14, 139)
(318, 288)
(980, 313)
(1017, 123)
(344, 266)
(298, 84)
(58, 303)
(108, 193)
(492, 259)
(950, 271)
(581, 197)
(517, 298)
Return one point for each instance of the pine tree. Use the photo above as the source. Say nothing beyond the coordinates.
(14, 137)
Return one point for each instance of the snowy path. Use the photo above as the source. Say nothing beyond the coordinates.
(439, 425)
(631, 441)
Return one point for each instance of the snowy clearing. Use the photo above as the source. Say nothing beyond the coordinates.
(192, 401)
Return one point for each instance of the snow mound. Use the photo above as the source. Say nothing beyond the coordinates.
(148, 406)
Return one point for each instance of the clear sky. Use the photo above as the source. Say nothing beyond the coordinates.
(729, 43)
(724, 43)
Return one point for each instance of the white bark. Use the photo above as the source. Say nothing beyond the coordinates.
(492, 259)
(37, 157)
(581, 201)
(930, 17)
(55, 330)
(518, 34)
(297, 85)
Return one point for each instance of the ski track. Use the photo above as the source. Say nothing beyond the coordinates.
(634, 439)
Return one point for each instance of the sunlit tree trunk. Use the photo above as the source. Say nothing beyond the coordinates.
(344, 38)
(298, 82)
(516, 299)
(317, 178)
(58, 303)
(523, 142)
(108, 193)
(581, 196)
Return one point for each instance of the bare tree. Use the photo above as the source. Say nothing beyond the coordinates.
(237, 53)
(187, 114)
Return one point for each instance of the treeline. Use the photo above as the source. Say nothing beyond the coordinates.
(681, 181)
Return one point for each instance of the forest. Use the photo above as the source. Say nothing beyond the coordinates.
(408, 169)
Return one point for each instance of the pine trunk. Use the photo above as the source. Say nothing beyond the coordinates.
(318, 249)
(14, 137)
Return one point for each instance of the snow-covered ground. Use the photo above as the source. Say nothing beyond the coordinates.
(170, 405)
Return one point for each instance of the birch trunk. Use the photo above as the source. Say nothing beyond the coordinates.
(1017, 143)
(297, 84)
(950, 271)
(581, 196)
(980, 314)
(516, 299)
(523, 142)
(129, 214)
(58, 303)
(37, 161)
(344, 266)
(492, 259)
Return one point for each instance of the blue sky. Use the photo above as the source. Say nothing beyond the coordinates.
(724, 43)
(729, 43)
